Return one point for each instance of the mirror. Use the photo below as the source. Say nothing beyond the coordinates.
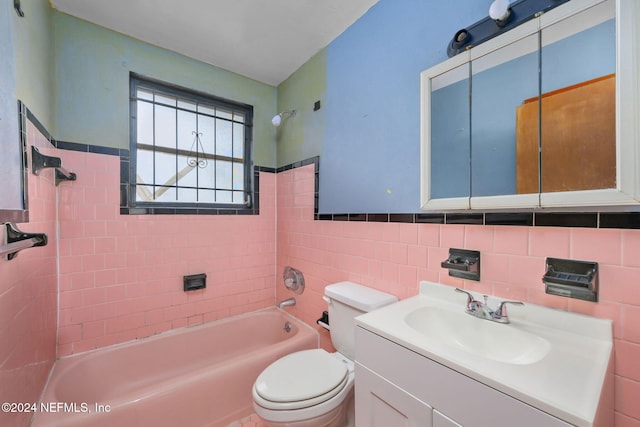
(578, 136)
(500, 80)
(450, 138)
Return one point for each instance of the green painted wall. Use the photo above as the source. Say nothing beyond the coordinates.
(301, 137)
(92, 85)
(34, 61)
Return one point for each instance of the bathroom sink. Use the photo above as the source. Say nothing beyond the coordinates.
(498, 342)
(553, 360)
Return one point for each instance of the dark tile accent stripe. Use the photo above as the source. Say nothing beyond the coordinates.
(378, 217)
(520, 219)
(33, 119)
(630, 220)
(589, 220)
(470, 218)
(437, 218)
(406, 218)
(310, 161)
(264, 169)
(323, 217)
(109, 151)
(186, 211)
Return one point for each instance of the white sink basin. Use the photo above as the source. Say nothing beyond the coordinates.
(483, 338)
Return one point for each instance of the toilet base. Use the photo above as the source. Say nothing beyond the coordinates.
(341, 416)
(336, 418)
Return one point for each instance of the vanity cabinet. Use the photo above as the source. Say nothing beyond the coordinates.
(380, 403)
(396, 386)
(543, 115)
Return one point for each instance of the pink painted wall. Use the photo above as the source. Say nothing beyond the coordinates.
(121, 275)
(28, 302)
(395, 257)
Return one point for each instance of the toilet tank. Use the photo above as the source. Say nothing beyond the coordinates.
(346, 301)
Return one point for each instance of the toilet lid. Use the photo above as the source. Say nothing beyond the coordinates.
(307, 377)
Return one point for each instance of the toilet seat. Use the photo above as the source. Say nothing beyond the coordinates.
(300, 380)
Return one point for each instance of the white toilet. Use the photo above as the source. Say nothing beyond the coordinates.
(314, 388)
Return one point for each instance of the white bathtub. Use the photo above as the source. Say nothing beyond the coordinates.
(190, 377)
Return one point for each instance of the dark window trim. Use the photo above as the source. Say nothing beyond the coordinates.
(129, 204)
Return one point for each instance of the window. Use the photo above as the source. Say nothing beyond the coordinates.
(188, 149)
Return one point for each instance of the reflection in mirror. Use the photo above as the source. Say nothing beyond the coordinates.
(501, 80)
(450, 139)
(578, 136)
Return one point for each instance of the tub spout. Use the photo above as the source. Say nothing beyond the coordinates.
(287, 302)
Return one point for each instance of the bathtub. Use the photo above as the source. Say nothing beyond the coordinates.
(193, 377)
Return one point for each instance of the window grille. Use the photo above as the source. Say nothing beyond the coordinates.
(187, 148)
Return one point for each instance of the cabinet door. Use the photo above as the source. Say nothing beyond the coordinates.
(495, 155)
(380, 403)
(440, 420)
(578, 105)
(447, 150)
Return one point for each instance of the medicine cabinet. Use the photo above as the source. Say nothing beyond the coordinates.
(545, 115)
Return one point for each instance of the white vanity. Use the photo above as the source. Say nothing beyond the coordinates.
(425, 362)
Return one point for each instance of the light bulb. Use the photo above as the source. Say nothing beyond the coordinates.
(499, 10)
(277, 119)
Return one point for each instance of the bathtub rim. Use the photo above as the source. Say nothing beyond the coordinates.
(173, 331)
(300, 323)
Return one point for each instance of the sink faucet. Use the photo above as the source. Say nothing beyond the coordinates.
(483, 311)
(287, 302)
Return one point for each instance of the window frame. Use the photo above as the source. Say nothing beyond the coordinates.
(136, 82)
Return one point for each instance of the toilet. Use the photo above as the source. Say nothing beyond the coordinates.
(314, 388)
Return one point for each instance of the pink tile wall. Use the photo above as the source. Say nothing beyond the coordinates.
(121, 275)
(394, 257)
(28, 303)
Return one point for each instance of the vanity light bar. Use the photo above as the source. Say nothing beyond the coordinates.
(517, 13)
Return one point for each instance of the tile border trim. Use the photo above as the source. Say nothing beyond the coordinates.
(609, 220)
(606, 220)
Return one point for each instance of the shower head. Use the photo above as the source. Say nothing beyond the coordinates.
(277, 119)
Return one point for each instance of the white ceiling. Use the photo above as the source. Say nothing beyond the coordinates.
(266, 40)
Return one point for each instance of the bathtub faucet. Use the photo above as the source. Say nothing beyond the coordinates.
(287, 302)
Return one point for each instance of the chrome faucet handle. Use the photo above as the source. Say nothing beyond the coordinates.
(501, 312)
(470, 299)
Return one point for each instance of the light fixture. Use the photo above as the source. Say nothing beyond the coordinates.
(499, 11)
(277, 119)
(504, 15)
